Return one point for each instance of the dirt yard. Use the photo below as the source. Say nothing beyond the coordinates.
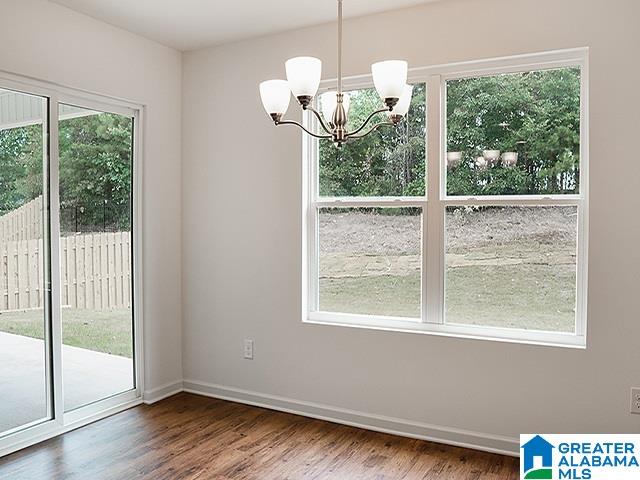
(506, 267)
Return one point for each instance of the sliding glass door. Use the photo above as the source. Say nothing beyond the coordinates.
(25, 366)
(69, 346)
(95, 178)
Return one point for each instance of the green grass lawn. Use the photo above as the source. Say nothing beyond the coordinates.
(535, 296)
(101, 331)
(511, 267)
(396, 296)
(532, 297)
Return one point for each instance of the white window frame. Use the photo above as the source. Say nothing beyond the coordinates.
(434, 204)
(62, 421)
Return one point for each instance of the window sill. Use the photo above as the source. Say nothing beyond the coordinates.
(404, 325)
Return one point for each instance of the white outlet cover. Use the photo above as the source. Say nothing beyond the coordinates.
(635, 400)
(248, 349)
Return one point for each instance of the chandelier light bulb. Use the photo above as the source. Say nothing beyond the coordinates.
(275, 95)
(389, 78)
(402, 107)
(303, 75)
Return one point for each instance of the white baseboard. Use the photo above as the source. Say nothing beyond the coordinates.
(396, 426)
(435, 433)
(163, 391)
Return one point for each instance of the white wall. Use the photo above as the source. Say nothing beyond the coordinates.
(49, 42)
(242, 236)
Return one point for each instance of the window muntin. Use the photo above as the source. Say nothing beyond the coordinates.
(434, 308)
(511, 267)
(514, 134)
(387, 162)
(370, 261)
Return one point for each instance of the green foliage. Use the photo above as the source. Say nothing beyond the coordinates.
(95, 170)
(535, 114)
(21, 166)
(389, 161)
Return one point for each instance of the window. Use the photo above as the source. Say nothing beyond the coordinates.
(487, 239)
(370, 261)
(390, 162)
(368, 223)
(511, 266)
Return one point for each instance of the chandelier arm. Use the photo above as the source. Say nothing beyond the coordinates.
(366, 122)
(291, 122)
(351, 135)
(323, 124)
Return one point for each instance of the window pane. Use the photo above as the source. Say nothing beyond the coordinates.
(95, 248)
(515, 134)
(370, 261)
(23, 295)
(511, 267)
(387, 162)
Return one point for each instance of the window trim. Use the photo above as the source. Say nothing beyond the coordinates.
(435, 202)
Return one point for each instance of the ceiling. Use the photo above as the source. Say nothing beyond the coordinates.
(191, 24)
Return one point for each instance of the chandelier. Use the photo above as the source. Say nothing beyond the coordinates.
(303, 80)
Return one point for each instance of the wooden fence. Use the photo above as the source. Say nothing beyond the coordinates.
(23, 223)
(95, 270)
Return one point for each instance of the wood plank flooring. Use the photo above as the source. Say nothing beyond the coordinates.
(193, 437)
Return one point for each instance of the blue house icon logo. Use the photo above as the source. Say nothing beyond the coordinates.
(537, 459)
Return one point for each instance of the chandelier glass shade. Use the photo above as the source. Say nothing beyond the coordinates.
(303, 80)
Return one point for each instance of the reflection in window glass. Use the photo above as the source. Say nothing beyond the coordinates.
(370, 261)
(511, 267)
(388, 162)
(95, 254)
(514, 134)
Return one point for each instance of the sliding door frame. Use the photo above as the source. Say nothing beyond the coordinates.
(60, 421)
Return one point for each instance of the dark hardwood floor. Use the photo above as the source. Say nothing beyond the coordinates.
(193, 437)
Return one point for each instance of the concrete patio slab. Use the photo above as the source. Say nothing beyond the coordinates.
(88, 376)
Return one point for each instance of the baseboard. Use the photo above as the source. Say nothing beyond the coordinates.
(435, 433)
(156, 394)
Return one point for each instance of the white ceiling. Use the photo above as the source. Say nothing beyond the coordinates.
(190, 24)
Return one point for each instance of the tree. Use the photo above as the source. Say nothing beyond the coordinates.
(536, 114)
(389, 161)
(21, 166)
(95, 170)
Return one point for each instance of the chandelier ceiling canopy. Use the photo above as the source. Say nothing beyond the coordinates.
(303, 81)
